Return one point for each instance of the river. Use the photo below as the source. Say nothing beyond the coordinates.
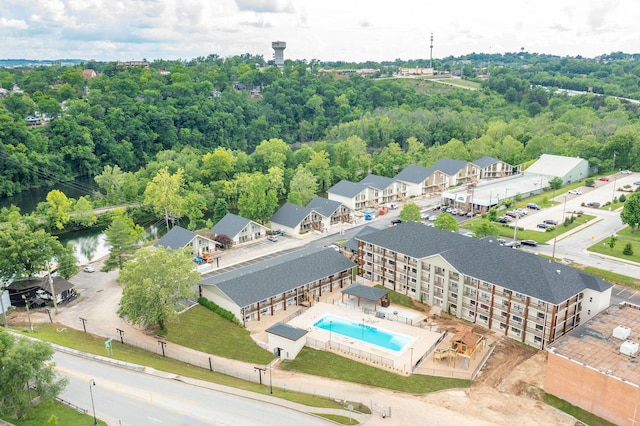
(90, 244)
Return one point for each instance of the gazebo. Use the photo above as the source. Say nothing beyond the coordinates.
(373, 294)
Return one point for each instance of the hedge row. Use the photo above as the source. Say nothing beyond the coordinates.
(228, 315)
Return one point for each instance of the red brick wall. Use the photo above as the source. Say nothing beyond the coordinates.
(602, 395)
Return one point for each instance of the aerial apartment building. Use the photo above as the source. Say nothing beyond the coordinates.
(526, 297)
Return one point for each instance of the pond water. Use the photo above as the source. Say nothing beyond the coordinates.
(91, 245)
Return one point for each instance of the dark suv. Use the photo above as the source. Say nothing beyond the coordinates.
(396, 221)
(533, 206)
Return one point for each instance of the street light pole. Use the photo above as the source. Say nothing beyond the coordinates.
(555, 230)
(613, 193)
(92, 383)
(411, 365)
(330, 323)
(270, 381)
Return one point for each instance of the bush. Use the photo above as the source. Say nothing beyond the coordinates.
(622, 198)
(218, 310)
(628, 250)
(590, 182)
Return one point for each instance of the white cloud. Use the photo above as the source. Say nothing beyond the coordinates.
(18, 24)
(354, 30)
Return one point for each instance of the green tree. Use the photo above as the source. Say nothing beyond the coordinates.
(256, 200)
(25, 251)
(217, 165)
(628, 250)
(83, 212)
(446, 222)
(59, 208)
(486, 228)
(67, 261)
(303, 187)
(111, 180)
(153, 283)
(555, 183)
(123, 236)
(612, 241)
(220, 209)
(25, 363)
(410, 213)
(493, 214)
(163, 194)
(630, 214)
(193, 207)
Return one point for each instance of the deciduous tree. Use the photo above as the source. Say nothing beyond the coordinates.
(153, 283)
(164, 195)
(446, 222)
(303, 187)
(410, 213)
(25, 363)
(631, 211)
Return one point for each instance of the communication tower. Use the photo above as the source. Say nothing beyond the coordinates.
(431, 53)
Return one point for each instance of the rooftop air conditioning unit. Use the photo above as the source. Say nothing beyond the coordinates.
(621, 332)
(629, 348)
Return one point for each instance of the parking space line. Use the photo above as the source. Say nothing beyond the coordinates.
(633, 294)
(621, 291)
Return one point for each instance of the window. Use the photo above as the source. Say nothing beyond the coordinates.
(515, 330)
(591, 299)
(517, 319)
(537, 339)
(541, 315)
(539, 327)
(589, 312)
(483, 318)
(503, 326)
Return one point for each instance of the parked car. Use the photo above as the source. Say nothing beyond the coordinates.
(452, 211)
(432, 218)
(396, 221)
(470, 214)
(272, 238)
(604, 179)
(531, 243)
(501, 241)
(594, 204)
(462, 212)
(333, 246)
(575, 192)
(551, 222)
(435, 208)
(512, 244)
(636, 182)
(521, 211)
(513, 214)
(504, 219)
(626, 172)
(542, 225)
(424, 216)
(533, 206)
(89, 269)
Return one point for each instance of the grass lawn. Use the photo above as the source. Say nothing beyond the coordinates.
(580, 414)
(400, 299)
(612, 277)
(203, 330)
(64, 416)
(327, 364)
(528, 234)
(340, 419)
(624, 236)
(92, 344)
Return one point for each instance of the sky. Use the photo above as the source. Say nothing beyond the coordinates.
(327, 30)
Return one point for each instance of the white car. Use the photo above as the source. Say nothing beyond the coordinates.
(272, 238)
(575, 191)
(626, 172)
(89, 269)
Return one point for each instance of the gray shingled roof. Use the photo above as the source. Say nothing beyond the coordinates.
(450, 167)
(485, 259)
(485, 161)
(290, 215)
(352, 244)
(260, 281)
(176, 238)
(377, 182)
(346, 188)
(230, 225)
(414, 174)
(324, 206)
(366, 292)
(287, 331)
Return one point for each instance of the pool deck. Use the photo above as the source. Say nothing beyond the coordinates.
(422, 340)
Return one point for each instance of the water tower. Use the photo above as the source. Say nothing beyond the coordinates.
(278, 55)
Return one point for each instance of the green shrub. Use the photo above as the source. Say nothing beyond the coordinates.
(622, 198)
(228, 315)
(628, 250)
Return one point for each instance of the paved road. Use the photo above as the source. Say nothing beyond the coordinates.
(127, 397)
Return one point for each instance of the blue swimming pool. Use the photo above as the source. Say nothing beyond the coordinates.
(362, 331)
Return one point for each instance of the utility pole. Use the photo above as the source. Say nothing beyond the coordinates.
(53, 291)
(431, 53)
